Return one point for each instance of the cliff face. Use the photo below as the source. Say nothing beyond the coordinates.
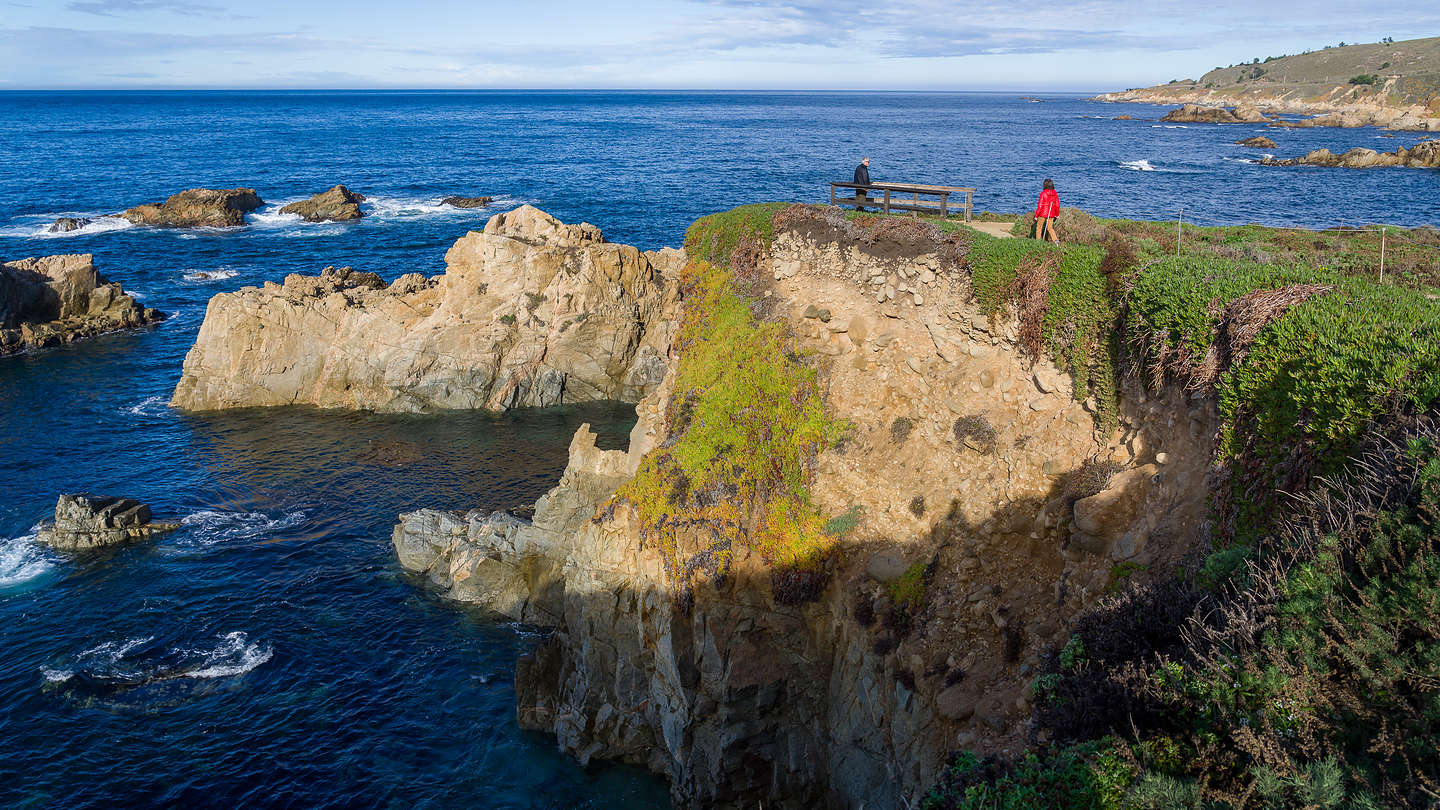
(1403, 89)
(50, 300)
(529, 312)
(985, 519)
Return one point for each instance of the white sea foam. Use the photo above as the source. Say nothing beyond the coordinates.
(118, 663)
(233, 656)
(1141, 165)
(38, 226)
(23, 559)
(210, 275)
(209, 526)
(150, 406)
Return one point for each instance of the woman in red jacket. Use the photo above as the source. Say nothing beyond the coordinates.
(1046, 211)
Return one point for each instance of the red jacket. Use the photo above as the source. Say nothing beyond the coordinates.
(1049, 205)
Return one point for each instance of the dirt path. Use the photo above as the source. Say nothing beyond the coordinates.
(1000, 229)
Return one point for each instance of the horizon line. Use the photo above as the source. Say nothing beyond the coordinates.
(217, 89)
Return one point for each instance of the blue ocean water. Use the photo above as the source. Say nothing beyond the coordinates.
(271, 654)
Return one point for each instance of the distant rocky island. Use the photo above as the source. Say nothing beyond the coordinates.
(1387, 84)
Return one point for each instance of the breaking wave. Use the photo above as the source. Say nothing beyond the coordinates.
(210, 275)
(38, 226)
(1141, 165)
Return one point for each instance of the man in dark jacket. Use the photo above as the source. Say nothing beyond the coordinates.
(862, 177)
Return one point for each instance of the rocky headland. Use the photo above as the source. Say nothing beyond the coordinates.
(88, 522)
(1392, 85)
(530, 311)
(52, 300)
(1424, 155)
(980, 506)
(338, 204)
(1198, 114)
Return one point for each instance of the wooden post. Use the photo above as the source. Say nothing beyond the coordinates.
(1178, 223)
(887, 200)
(1382, 255)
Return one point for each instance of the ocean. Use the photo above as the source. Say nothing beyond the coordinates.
(271, 653)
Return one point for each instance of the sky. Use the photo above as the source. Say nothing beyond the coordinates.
(1079, 45)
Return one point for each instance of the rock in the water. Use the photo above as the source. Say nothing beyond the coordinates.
(531, 312)
(84, 522)
(1196, 114)
(198, 208)
(1258, 142)
(466, 202)
(338, 204)
(1424, 155)
(68, 224)
(51, 300)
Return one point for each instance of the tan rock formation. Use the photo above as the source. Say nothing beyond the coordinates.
(338, 204)
(529, 312)
(50, 300)
(1424, 155)
(1195, 113)
(466, 202)
(198, 208)
(1258, 142)
(86, 522)
(740, 700)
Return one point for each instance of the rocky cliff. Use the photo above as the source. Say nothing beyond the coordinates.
(529, 312)
(1392, 84)
(978, 505)
(50, 300)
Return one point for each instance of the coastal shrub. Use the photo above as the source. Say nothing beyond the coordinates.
(1366, 79)
(907, 591)
(976, 432)
(747, 421)
(1093, 776)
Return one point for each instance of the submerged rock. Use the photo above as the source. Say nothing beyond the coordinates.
(50, 300)
(198, 208)
(1196, 114)
(1424, 155)
(68, 224)
(84, 522)
(466, 202)
(530, 312)
(338, 204)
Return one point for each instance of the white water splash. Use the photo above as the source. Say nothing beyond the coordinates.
(38, 226)
(105, 660)
(150, 406)
(210, 275)
(23, 559)
(1141, 165)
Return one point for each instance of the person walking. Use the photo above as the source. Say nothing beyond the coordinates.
(1046, 210)
(862, 178)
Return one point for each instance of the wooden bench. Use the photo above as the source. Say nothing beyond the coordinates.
(889, 200)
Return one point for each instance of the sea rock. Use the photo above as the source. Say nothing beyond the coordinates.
(339, 204)
(198, 208)
(530, 312)
(1258, 142)
(1424, 155)
(50, 300)
(466, 202)
(1123, 118)
(84, 522)
(68, 224)
(1197, 114)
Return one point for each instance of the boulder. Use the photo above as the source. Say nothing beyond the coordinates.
(466, 202)
(50, 300)
(1123, 118)
(1108, 518)
(68, 224)
(531, 312)
(85, 522)
(1258, 142)
(198, 208)
(338, 204)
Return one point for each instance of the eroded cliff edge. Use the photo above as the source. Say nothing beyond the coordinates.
(979, 505)
(530, 311)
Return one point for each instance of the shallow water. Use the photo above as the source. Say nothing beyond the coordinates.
(271, 653)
